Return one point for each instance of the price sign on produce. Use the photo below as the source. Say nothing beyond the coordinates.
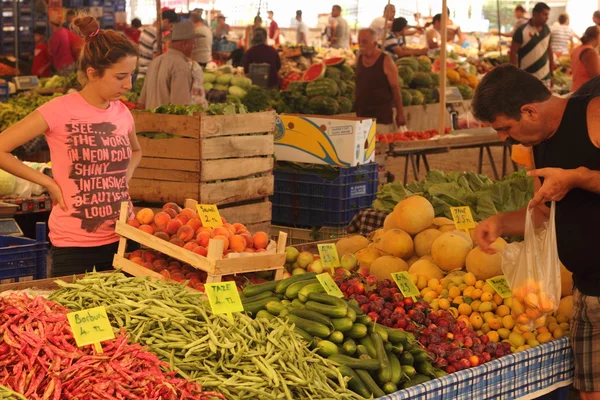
(405, 284)
(209, 215)
(91, 326)
(462, 217)
(501, 286)
(224, 298)
(331, 288)
(329, 256)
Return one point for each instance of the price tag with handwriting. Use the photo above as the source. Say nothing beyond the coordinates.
(91, 326)
(405, 284)
(329, 256)
(462, 217)
(331, 288)
(501, 286)
(224, 297)
(209, 215)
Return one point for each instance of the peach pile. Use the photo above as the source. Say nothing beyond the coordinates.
(183, 228)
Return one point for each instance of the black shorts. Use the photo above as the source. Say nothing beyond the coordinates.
(68, 261)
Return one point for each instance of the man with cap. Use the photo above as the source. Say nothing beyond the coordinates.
(169, 77)
(222, 29)
(148, 47)
(395, 43)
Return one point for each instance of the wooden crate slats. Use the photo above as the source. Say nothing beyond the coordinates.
(236, 191)
(134, 269)
(180, 125)
(213, 170)
(236, 146)
(249, 213)
(179, 149)
(223, 125)
(152, 191)
(166, 175)
(170, 164)
(243, 265)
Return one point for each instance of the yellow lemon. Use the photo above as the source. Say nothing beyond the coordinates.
(430, 296)
(503, 333)
(508, 322)
(485, 306)
(516, 339)
(470, 279)
(533, 342)
(421, 282)
(464, 309)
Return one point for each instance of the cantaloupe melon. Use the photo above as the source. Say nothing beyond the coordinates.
(390, 222)
(483, 265)
(384, 266)
(397, 243)
(464, 235)
(351, 244)
(367, 256)
(378, 234)
(441, 221)
(427, 269)
(424, 240)
(413, 259)
(565, 307)
(450, 251)
(428, 258)
(413, 214)
(566, 281)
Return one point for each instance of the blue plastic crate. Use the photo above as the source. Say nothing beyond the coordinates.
(23, 257)
(4, 94)
(226, 46)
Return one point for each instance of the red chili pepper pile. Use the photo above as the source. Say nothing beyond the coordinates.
(39, 359)
(408, 136)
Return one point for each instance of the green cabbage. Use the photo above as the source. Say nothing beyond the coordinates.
(237, 91)
(224, 79)
(209, 77)
(241, 81)
(207, 86)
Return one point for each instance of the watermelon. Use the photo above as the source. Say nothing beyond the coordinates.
(424, 63)
(435, 78)
(347, 72)
(431, 95)
(334, 61)
(417, 97)
(333, 73)
(465, 91)
(421, 80)
(346, 105)
(350, 87)
(406, 73)
(437, 65)
(322, 105)
(297, 86)
(342, 85)
(314, 72)
(322, 87)
(406, 97)
(409, 62)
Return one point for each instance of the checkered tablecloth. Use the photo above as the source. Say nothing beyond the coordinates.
(366, 221)
(524, 375)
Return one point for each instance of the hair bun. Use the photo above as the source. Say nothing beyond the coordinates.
(86, 26)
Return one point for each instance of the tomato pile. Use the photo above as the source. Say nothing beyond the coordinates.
(409, 136)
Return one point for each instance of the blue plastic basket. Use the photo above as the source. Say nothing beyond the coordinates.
(226, 46)
(23, 257)
(304, 199)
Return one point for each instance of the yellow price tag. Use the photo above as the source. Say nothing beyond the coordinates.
(209, 215)
(501, 286)
(329, 256)
(405, 284)
(224, 298)
(91, 326)
(462, 217)
(331, 288)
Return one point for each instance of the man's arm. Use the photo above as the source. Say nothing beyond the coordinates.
(389, 68)
(514, 50)
(551, 57)
(402, 51)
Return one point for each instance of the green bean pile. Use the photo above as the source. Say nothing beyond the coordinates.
(243, 358)
(8, 394)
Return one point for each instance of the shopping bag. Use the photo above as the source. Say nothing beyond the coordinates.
(532, 269)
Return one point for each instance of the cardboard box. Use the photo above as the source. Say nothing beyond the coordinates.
(331, 140)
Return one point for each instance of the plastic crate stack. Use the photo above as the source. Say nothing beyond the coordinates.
(22, 258)
(108, 16)
(8, 24)
(308, 200)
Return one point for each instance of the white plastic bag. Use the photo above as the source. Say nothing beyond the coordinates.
(532, 269)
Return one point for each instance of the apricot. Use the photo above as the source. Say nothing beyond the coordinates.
(166, 273)
(159, 262)
(221, 231)
(145, 216)
(162, 218)
(261, 240)
(174, 264)
(204, 229)
(249, 250)
(149, 256)
(137, 260)
(185, 233)
(225, 241)
(190, 246)
(173, 226)
(183, 218)
(147, 229)
(172, 206)
(191, 214)
(162, 235)
(172, 213)
(238, 227)
(148, 265)
(202, 238)
(260, 250)
(244, 232)
(249, 240)
(195, 224)
(200, 250)
(134, 223)
(237, 243)
(230, 228)
(136, 253)
(177, 242)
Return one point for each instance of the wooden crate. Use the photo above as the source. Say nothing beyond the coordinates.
(213, 264)
(220, 159)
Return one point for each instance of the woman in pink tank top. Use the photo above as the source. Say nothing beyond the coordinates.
(585, 61)
(93, 148)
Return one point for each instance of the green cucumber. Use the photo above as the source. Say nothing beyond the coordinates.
(390, 387)
(351, 314)
(388, 346)
(304, 335)
(285, 312)
(385, 373)
(361, 350)
(354, 305)
(425, 368)
(285, 283)
(439, 373)
(420, 355)
(397, 336)
(358, 331)
(416, 380)
(313, 316)
(396, 368)
(349, 347)
(312, 327)
(406, 358)
(375, 327)
(258, 305)
(265, 314)
(364, 319)
(259, 296)
(325, 348)
(336, 337)
(369, 383)
(342, 324)
(296, 303)
(371, 365)
(409, 371)
(275, 307)
(285, 302)
(292, 291)
(312, 288)
(336, 311)
(253, 290)
(328, 299)
(355, 383)
(368, 343)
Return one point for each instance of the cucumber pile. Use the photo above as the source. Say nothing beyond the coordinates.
(377, 360)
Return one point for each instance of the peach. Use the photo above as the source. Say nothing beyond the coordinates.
(158, 268)
(183, 218)
(200, 250)
(237, 243)
(136, 253)
(221, 231)
(261, 240)
(173, 226)
(148, 265)
(244, 232)
(162, 218)
(249, 241)
(185, 233)
(228, 252)
(230, 228)
(145, 216)
(223, 220)
(162, 235)
(238, 227)
(195, 224)
(187, 268)
(178, 277)
(149, 256)
(169, 211)
(249, 250)
(190, 246)
(159, 262)
(165, 273)
(202, 238)
(225, 241)
(172, 206)
(177, 242)
(134, 223)
(147, 229)
(260, 250)
(137, 260)
(188, 212)
(204, 229)
(174, 264)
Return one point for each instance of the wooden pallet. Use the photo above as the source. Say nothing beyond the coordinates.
(220, 159)
(213, 264)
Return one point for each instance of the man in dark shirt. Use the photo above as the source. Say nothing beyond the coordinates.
(565, 136)
(260, 53)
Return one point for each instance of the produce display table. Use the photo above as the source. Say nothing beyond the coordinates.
(526, 375)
